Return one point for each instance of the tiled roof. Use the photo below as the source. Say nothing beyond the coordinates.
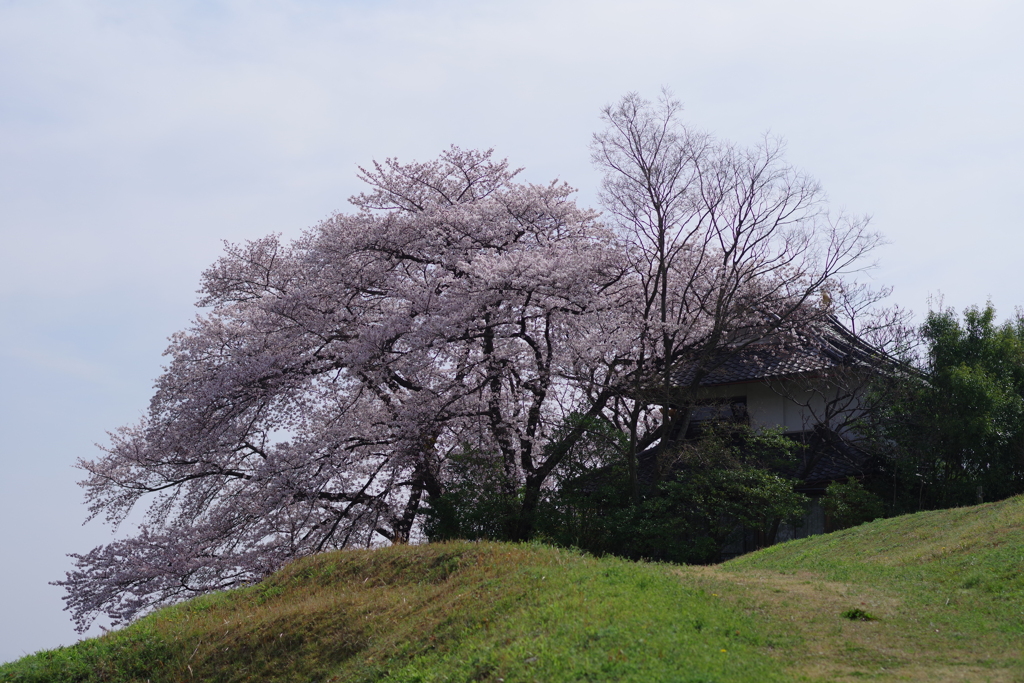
(828, 345)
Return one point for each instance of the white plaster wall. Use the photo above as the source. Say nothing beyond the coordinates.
(770, 408)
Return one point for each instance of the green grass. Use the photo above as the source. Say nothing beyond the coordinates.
(944, 591)
(945, 588)
(962, 569)
(448, 612)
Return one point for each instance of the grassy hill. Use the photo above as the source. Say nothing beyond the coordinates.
(934, 596)
(945, 588)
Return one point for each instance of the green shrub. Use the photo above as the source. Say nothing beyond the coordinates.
(705, 490)
(479, 503)
(850, 504)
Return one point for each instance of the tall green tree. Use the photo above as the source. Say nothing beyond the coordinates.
(955, 433)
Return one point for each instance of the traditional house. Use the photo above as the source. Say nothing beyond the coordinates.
(809, 384)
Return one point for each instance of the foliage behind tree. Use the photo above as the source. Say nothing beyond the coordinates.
(700, 494)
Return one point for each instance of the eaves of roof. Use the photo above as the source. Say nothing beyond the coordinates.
(828, 346)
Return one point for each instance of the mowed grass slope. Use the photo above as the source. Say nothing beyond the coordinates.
(445, 612)
(944, 591)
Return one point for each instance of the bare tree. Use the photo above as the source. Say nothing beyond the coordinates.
(859, 343)
(728, 246)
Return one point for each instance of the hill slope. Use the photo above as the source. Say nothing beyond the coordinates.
(946, 586)
(944, 589)
(459, 611)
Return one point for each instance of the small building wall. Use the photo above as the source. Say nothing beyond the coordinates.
(769, 408)
(790, 404)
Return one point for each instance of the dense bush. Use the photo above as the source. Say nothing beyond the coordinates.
(694, 500)
(479, 503)
(849, 504)
(702, 493)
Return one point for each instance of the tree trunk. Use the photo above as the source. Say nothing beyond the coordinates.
(631, 462)
(528, 512)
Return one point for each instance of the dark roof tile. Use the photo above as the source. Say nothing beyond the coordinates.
(825, 346)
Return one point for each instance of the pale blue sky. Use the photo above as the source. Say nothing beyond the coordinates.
(135, 136)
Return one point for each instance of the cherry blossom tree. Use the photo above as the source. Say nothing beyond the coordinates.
(331, 383)
(313, 405)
